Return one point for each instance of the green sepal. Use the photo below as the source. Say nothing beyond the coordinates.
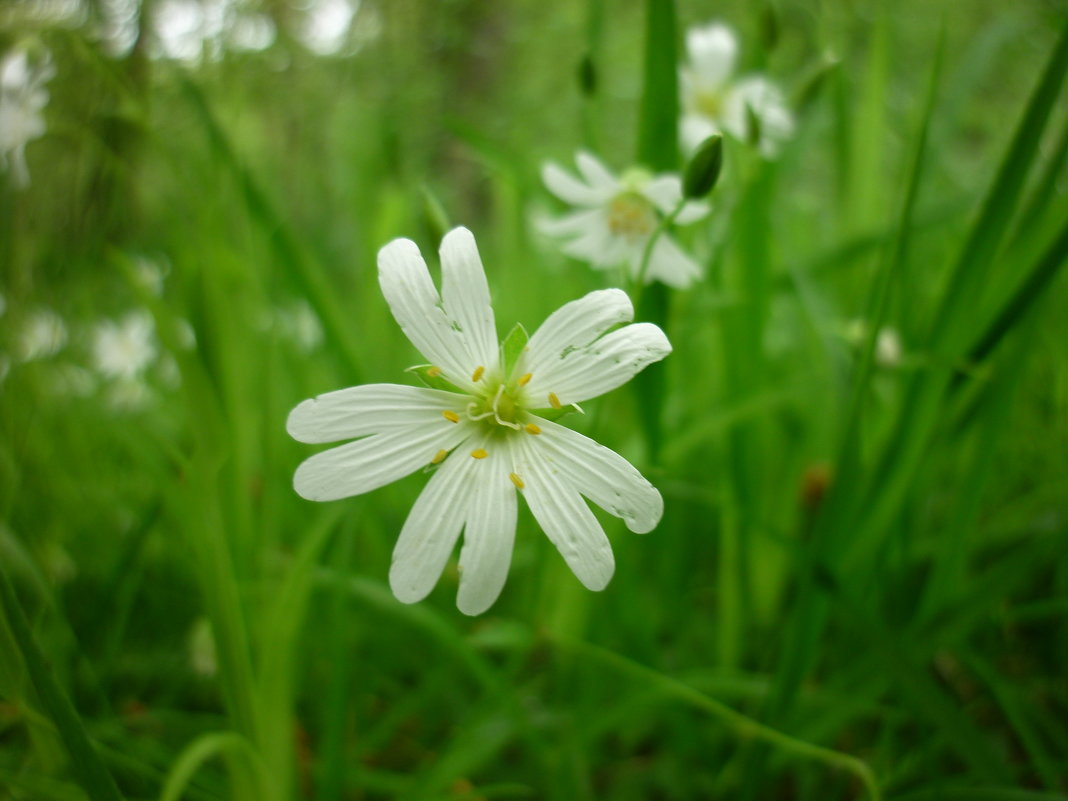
(512, 348)
(552, 415)
(422, 372)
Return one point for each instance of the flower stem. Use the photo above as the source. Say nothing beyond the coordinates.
(643, 267)
(89, 770)
(740, 724)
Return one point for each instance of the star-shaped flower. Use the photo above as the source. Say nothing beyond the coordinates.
(713, 102)
(485, 433)
(22, 99)
(616, 217)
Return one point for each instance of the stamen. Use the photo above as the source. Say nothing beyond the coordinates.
(451, 416)
(524, 379)
(532, 428)
(439, 457)
(479, 453)
(478, 373)
(554, 401)
(516, 480)
(433, 371)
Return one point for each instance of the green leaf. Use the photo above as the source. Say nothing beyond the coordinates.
(512, 347)
(658, 134)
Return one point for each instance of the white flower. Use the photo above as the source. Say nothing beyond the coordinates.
(488, 435)
(617, 216)
(43, 334)
(300, 325)
(888, 348)
(123, 350)
(22, 99)
(712, 102)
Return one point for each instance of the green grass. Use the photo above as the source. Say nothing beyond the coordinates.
(858, 588)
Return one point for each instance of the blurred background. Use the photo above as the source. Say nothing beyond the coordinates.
(859, 587)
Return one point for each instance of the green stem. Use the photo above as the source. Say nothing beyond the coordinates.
(740, 724)
(643, 266)
(89, 770)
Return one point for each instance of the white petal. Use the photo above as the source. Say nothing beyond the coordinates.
(600, 474)
(596, 368)
(665, 191)
(692, 212)
(596, 174)
(713, 52)
(369, 409)
(431, 530)
(570, 189)
(575, 325)
(490, 531)
(766, 101)
(565, 518)
(418, 309)
(670, 265)
(373, 462)
(577, 222)
(466, 295)
(695, 129)
(597, 245)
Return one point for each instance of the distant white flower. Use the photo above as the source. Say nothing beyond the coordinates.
(713, 102)
(124, 349)
(617, 216)
(43, 334)
(22, 99)
(888, 348)
(487, 431)
(299, 323)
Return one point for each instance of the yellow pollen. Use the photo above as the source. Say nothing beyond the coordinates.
(451, 416)
(439, 457)
(479, 453)
(532, 429)
(478, 373)
(554, 401)
(433, 372)
(516, 480)
(524, 379)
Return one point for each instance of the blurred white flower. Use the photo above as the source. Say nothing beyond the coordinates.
(43, 334)
(617, 216)
(327, 24)
(713, 102)
(486, 428)
(888, 348)
(202, 648)
(22, 100)
(124, 349)
(151, 273)
(299, 324)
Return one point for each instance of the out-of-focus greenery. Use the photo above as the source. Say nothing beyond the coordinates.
(862, 550)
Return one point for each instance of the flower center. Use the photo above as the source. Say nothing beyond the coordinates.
(631, 215)
(709, 102)
(498, 406)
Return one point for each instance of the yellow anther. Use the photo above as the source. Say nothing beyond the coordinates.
(532, 429)
(554, 401)
(439, 457)
(524, 379)
(478, 373)
(516, 480)
(479, 453)
(451, 416)
(433, 371)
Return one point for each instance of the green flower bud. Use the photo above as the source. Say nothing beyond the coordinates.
(703, 170)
